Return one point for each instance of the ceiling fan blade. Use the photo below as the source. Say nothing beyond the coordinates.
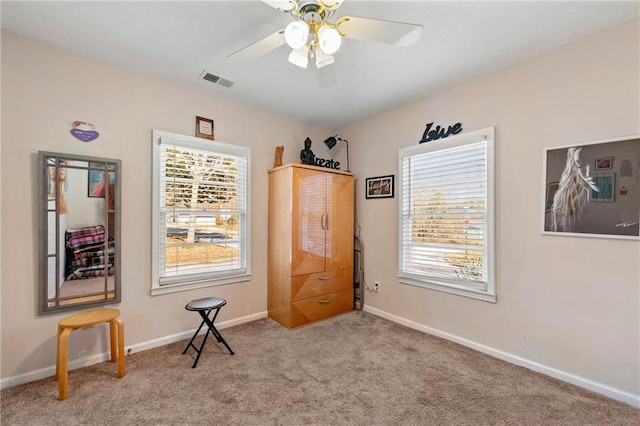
(326, 76)
(281, 5)
(260, 47)
(397, 33)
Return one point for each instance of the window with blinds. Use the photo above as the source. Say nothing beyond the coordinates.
(200, 213)
(446, 215)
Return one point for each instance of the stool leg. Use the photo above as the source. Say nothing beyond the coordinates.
(120, 343)
(63, 363)
(204, 340)
(60, 328)
(193, 338)
(214, 330)
(113, 340)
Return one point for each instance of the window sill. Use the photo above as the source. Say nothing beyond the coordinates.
(185, 286)
(458, 291)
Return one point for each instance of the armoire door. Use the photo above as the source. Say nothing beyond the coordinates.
(308, 216)
(339, 221)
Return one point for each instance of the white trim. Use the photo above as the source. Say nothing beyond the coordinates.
(583, 382)
(449, 285)
(169, 138)
(50, 371)
(184, 286)
(159, 138)
(449, 288)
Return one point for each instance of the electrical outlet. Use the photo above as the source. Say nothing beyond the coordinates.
(376, 286)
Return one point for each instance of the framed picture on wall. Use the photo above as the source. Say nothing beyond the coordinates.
(379, 187)
(603, 163)
(204, 128)
(581, 200)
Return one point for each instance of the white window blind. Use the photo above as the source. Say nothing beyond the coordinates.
(200, 211)
(446, 215)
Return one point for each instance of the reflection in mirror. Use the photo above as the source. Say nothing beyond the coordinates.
(79, 231)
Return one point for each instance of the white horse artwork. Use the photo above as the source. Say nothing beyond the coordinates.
(572, 194)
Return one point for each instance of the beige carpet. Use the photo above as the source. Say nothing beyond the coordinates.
(356, 369)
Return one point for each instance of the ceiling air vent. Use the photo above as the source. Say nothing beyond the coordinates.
(226, 83)
(216, 79)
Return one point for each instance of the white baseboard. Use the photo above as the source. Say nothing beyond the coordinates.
(582, 382)
(50, 371)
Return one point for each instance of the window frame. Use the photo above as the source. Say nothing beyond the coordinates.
(486, 292)
(203, 280)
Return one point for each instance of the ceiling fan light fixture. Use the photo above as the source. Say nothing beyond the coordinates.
(329, 39)
(296, 34)
(300, 57)
(323, 59)
(315, 34)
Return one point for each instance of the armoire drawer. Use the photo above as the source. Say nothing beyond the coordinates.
(305, 286)
(320, 307)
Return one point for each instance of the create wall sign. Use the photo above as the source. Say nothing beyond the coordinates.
(308, 157)
(439, 132)
(329, 164)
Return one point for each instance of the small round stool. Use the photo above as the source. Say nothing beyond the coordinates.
(85, 320)
(205, 307)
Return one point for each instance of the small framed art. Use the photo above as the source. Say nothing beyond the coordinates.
(605, 182)
(97, 182)
(204, 128)
(379, 187)
(603, 163)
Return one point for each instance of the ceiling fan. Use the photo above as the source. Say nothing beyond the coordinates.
(314, 34)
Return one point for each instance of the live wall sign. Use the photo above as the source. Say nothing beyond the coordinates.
(439, 132)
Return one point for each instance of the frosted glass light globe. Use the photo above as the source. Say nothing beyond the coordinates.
(296, 34)
(330, 39)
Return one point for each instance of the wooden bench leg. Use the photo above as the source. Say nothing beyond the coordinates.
(58, 351)
(62, 364)
(116, 327)
(113, 340)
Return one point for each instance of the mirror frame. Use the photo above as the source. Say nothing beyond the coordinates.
(43, 232)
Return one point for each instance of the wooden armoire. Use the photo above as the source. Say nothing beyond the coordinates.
(310, 243)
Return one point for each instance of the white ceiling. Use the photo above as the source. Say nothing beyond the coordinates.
(178, 40)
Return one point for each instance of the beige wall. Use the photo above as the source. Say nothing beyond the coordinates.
(570, 304)
(44, 89)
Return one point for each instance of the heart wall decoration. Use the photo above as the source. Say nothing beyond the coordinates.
(86, 132)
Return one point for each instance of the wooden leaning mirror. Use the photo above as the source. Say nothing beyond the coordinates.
(79, 231)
